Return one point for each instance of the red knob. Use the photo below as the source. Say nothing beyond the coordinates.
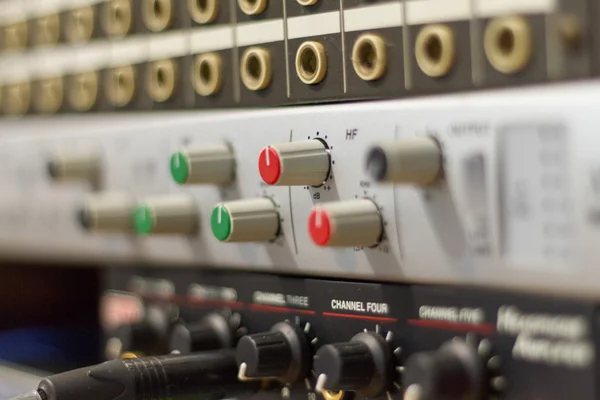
(319, 226)
(269, 165)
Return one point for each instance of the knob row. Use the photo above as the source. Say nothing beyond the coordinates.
(367, 364)
(344, 223)
(304, 163)
(307, 163)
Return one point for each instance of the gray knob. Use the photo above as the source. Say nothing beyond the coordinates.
(249, 220)
(75, 166)
(108, 212)
(166, 215)
(352, 223)
(213, 164)
(295, 163)
(416, 161)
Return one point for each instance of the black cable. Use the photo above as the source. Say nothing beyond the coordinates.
(201, 376)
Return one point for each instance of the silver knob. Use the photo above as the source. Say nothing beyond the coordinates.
(416, 161)
(352, 223)
(295, 163)
(248, 220)
(212, 164)
(108, 212)
(75, 166)
(166, 215)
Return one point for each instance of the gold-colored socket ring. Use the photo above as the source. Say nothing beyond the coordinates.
(307, 3)
(83, 91)
(49, 95)
(369, 57)
(80, 25)
(47, 30)
(435, 50)
(15, 35)
(333, 395)
(157, 14)
(161, 80)
(203, 11)
(507, 43)
(117, 18)
(207, 75)
(252, 7)
(255, 68)
(16, 98)
(311, 62)
(120, 86)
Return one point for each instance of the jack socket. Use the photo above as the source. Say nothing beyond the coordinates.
(203, 11)
(49, 95)
(435, 50)
(83, 91)
(121, 85)
(508, 44)
(15, 36)
(158, 15)
(80, 25)
(161, 80)
(256, 69)
(311, 62)
(16, 98)
(47, 30)
(117, 18)
(252, 7)
(207, 75)
(369, 57)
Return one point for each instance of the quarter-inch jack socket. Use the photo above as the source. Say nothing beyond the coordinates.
(121, 85)
(369, 57)
(255, 69)
(435, 50)
(117, 18)
(203, 11)
(158, 15)
(311, 62)
(207, 75)
(508, 44)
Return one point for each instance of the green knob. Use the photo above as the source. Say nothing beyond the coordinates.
(143, 220)
(180, 167)
(220, 222)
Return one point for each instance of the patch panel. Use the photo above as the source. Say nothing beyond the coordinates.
(498, 189)
(325, 51)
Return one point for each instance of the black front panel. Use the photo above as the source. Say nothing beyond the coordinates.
(523, 347)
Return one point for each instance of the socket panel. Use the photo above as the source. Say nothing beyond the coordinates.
(518, 205)
(182, 59)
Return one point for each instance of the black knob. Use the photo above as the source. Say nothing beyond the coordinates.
(148, 336)
(363, 364)
(214, 331)
(454, 372)
(282, 353)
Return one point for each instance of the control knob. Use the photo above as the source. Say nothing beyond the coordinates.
(416, 161)
(214, 331)
(283, 353)
(346, 223)
(211, 164)
(364, 364)
(75, 166)
(248, 220)
(107, 212)
(147, 336)
(454, 372)
(166, 215)
(295, 164)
